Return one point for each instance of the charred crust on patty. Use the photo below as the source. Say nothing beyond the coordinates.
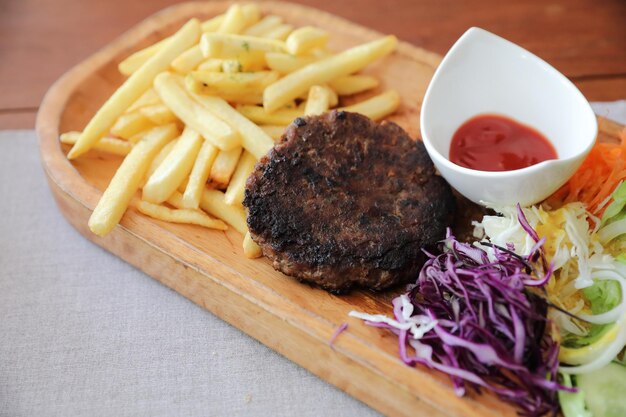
(344, 202)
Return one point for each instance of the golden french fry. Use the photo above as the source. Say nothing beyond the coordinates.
(106, 144)
(224, 166)
(219, 45)
(129, 124)
(174, 169)
(149, 98)
(139, 136)
(213, 24)
(353, 84)
(378, 106)
(193, 114)
(305, 39)
(137, 59)
(158, 160)
(199, 175)
(280, 32)
(188, 60)
(263, 26)
(250, 249)
(213, 203)
(219, 83)
(231, 66)
(319, 100)
(137, 84)
(260, 116)
(274, 132)
(253, 138)
(320, 72)
(234, 20)
(187, 216)
(251, 14)
(133, 62)
(285, 63)
(127, 178)
(159, 114)
(211, 64)
(237, 186)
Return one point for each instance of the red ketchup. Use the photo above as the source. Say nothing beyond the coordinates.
(496, 143)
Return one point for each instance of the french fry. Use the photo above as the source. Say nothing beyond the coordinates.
(213, 24)
(224, 166)
(129, 124)
(193, 114)
(263, 26)
(253, 138)
(234, 20)
(219, 45)
(139, 136)
(285, 63)
(305, 39)
(320, 72)
(237, 186)
(174, 169)
(134, 61)
(378, 106)
(159, 158)
(251, 14)
(137, 59)
(188, 60)
(149, 98)
(186, 216)
(137, 84)
(159, 114)
(211, 64)
(218, 83)
(113, 146)
(280, 32)
(199, 175)
(250, 249)
(273, 131)
(213, 203)
(319, 100)
(353, 84)
(260, 116)
(231, 66)
(126, 180)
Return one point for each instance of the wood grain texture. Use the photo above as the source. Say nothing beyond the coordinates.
(39, 40)
(209, 268)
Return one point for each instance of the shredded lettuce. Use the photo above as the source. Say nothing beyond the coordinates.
(615, 211)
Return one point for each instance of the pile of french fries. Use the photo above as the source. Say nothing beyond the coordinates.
(201, 107)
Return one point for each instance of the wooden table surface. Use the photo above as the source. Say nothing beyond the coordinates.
(584, 39)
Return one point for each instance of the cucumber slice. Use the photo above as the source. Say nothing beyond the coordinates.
(605, 390)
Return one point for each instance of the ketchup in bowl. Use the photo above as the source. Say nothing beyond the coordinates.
(497, 143)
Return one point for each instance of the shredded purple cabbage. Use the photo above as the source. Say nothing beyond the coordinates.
(490, 330)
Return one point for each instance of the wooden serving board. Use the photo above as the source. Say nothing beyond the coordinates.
(209, 268)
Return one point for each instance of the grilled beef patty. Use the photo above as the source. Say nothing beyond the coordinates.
(344, 202)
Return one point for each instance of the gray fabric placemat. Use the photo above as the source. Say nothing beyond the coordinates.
(84, 334)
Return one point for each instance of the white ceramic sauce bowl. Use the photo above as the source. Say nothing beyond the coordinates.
(485, 74)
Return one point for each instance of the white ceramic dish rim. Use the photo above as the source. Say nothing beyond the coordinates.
(510, 173)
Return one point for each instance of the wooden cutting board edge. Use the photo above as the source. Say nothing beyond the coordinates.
(352, 365)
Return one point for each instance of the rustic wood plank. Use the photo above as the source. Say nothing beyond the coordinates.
(39, 40)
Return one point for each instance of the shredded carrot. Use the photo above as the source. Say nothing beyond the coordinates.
(600, 173)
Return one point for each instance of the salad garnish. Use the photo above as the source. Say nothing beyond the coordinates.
(472, 315)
